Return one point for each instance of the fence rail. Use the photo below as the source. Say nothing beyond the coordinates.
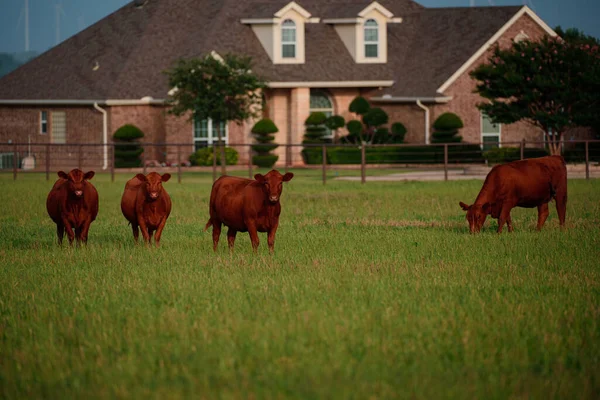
(50, 157)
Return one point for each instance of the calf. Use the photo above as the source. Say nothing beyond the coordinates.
(147, 205)
(73, 204)
(527, 183)
(246, 205)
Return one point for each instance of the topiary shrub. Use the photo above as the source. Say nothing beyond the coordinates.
(315, 131)
(501, 155)
(127, 150)
(263, 132)
(204, 157)
(359, 106)
(334, 123)
(398, 132)
(446, 128)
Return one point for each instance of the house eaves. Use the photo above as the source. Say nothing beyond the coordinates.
(329, 84)
(69, 102)
(408, 99)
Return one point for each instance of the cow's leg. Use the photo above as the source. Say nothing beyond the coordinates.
(216, 233)
(144, 228)
(159, 230)
(231, 238)
(542, 215)
(504, 216)
(69, 230)
(509, 224)
(78, 230)
(136, 232)
(84, 230)
(150, 232)
(561, 206)
(60, 231)
(252, 231)
(271, 237)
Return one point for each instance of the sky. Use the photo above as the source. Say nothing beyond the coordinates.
(76, 15)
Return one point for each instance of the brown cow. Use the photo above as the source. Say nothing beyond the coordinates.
(145, 203)
(527, 183)
(246, 205)
(73, 204)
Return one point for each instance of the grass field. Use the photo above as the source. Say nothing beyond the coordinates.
(374, 291)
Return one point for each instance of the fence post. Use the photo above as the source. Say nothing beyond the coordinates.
(445, 161)
(15, 162)
(214, 167)
(324, 164)
(47, 162)
(287, 157)
(587, 159)
(250, 162)
(363, 164)
(79, 156)
(178, 163)
(523, 149)
(144, 158)
(112, 163)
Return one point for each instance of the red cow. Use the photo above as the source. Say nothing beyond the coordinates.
(73, 204)
(246, 205)
(527, 183)
(147, 205)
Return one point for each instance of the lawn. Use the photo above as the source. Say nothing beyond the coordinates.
(374, 291)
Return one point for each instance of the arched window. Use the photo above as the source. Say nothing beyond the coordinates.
(371, 39)
(288, 39)
(205, 133)
(321, 102)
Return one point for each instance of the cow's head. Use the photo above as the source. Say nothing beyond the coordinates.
(153, 184)
(272, 183)
(76, 181)
(476, 215)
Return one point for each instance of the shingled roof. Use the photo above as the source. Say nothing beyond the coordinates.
(123, 56)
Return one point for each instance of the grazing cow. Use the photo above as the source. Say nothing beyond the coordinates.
(147, 205)
(246, 205)
(527, 183)
(73, 204)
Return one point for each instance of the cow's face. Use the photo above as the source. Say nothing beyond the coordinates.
(476, 215)
(272, 184)
(153, 183)
(76, 181)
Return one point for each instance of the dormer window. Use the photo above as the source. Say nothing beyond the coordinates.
(288, 39)
(371, 39)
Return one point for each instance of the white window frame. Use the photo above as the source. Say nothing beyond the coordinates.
(211, 134)
(291, 26)
(490, 134)
(375, 42)
(331, 110)
(43, 122)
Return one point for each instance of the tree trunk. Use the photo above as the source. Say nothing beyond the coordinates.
(222, 147)
(554, 143)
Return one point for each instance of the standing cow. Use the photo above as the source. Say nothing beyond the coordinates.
(246, 205)
(147, 205)
(73, 205)
(527, 183)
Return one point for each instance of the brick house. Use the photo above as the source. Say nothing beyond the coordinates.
(315, 55)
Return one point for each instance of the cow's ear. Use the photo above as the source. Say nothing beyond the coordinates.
(486, 208)
(89, 175)
(165, 177)
(464, 206)
(62, 174)
(259, 178)
(288, 177)
(141, 177)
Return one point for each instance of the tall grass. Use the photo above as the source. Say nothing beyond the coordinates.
(374, 291)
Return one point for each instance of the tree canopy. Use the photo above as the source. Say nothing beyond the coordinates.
(553, 83)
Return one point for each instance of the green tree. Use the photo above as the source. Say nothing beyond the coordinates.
(222, 89)
(552, 83)
(263, 132)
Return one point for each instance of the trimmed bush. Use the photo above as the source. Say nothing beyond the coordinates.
(204, 157)
(315, 130)
(446, 128)
(263, 132)
(463, 154)
(398, 132)
(502, 155)
(127, 150)
(334, 123)
(375, 117)
(359, 106)
(576, 153)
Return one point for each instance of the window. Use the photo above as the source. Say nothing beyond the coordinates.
(205, 133)
(320, 102)
(43, 122)
(288, 39)
(59, 127)
(371, 39)
(490, 133)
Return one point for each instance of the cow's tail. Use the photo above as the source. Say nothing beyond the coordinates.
(208, 224)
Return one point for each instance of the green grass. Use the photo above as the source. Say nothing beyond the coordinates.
(374, 291)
